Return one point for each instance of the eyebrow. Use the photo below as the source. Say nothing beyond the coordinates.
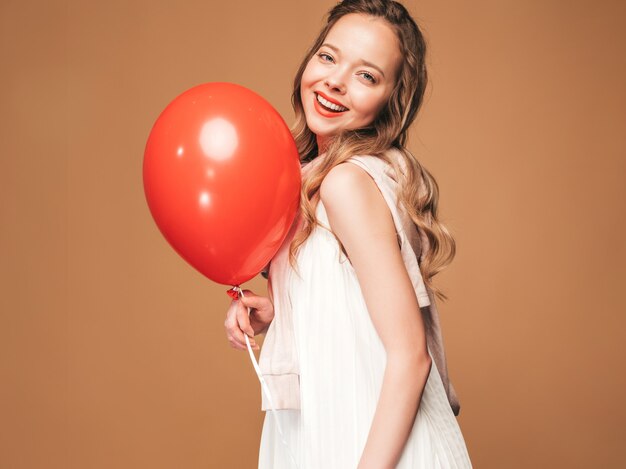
(364, 62)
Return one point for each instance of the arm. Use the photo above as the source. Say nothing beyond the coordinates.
(361, 219)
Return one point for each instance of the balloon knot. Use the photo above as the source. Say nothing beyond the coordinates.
(234, 292)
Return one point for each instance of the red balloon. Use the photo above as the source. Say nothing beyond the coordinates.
(221, 176)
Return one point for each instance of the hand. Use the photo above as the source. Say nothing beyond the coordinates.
(238, 322)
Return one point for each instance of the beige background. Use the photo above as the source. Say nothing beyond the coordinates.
(112, 351)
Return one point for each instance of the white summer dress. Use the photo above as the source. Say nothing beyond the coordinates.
(341, 362)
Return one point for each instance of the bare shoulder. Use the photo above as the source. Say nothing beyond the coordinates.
(347, 184)
(357, 212)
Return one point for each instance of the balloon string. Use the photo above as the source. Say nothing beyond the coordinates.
(265, 388)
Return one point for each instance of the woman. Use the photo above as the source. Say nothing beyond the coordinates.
(353, 353)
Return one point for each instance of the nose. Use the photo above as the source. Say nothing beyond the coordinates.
(336, 82)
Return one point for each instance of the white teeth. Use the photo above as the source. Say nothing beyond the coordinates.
(330, 105)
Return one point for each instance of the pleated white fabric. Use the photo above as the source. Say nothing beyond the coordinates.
(342, 362)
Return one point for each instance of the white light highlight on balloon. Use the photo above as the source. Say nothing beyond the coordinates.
(204, 200)
(218, 139)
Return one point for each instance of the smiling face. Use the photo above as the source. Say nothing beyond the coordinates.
(351, 76)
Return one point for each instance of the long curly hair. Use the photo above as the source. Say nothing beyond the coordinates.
(418, 191)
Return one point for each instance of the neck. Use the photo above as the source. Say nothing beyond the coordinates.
(322, 144)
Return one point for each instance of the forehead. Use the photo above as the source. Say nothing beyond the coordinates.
(365, 37)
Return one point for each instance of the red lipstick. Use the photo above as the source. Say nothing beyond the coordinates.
(323, 111)
(327, 98)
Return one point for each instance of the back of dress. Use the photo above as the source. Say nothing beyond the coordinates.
(341, 360)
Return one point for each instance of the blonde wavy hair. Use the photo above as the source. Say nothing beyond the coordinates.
(418, 190)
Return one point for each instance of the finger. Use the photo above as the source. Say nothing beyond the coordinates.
(242, 345)
(230, 323)
(254, 301)
(238, 337)
(237, 346)
(235, 331)
(243, 320)
(241, 342)
(231, 313)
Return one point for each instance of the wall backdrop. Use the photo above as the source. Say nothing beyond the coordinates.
(112, 349)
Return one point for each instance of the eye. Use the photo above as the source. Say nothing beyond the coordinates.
(325, 57)
(369, 77)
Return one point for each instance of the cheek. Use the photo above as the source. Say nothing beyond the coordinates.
(369, 104)
(309, 76)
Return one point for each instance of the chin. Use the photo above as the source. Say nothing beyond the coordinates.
(321, 132)
(316, 127)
